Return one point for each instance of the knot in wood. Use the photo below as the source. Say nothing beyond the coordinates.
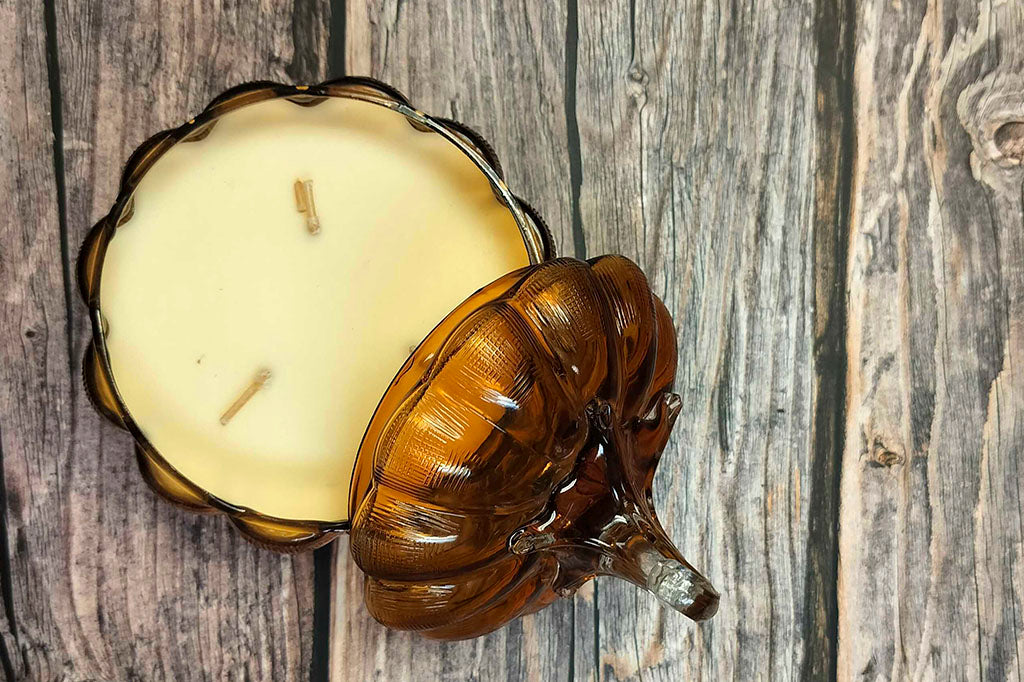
(882, 456)
(1009, 139)
(637, 75)
(637, 83)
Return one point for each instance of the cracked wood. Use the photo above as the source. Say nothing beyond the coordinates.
(931, 539)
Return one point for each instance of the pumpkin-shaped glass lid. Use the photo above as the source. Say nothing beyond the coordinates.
(513, 457)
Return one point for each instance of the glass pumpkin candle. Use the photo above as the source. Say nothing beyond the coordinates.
(253, 294)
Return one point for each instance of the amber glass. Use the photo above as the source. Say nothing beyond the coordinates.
(512, 458)
(285, 535)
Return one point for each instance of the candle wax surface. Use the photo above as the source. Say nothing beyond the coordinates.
(216, 277)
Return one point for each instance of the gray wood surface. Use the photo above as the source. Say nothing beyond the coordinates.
(698, 139)
(931, 491)
(105, 581)
(828, 196)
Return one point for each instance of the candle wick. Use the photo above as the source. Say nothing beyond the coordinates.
(257, 383)
(305, 204)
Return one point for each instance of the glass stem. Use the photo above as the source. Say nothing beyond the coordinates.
(672, 581)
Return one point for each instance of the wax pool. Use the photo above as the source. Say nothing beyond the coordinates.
(216, 278)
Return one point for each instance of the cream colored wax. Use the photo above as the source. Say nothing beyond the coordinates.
(216, 277)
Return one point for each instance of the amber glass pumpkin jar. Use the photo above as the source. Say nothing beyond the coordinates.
(512, 458)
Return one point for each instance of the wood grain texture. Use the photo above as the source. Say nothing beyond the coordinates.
(34, 377)
(931, 541)
(767, 163)
(500, 70)
(105, 580)
(698, 129)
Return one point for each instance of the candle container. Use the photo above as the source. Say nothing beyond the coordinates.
(512, 457)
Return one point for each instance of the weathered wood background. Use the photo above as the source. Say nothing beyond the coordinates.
(829, 197)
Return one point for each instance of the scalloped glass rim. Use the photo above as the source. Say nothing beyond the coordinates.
(283, 535)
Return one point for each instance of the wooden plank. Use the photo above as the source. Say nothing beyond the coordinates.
(34, 380)
(700, 126)
(105, 580)
(500, 70)
(931, 542)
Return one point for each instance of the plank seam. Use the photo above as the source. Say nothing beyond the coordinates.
(572, 126)
(845, 199)
(337, 39)
(6, 585)
(836, 140)
(324, 558)
(57, 129)
(572, 129)
(319, 660)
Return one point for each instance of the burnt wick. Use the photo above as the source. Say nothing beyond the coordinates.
(305, 204)
(257, 383)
